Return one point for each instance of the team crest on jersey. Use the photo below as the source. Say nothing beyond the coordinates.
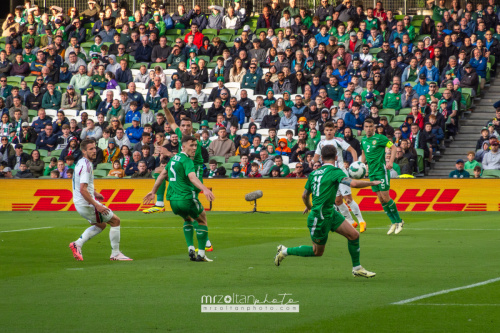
(374, 142)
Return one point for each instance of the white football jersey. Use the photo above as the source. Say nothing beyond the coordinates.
(84, 174)
(339, 144)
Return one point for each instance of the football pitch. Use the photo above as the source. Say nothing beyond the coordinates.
(441, 274)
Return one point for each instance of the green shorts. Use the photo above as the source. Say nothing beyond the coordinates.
(187, 208)
(385, 179)
(320, 227)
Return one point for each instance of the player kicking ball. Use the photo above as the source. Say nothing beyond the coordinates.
(98, 215)
(183, 197)
(344, 192)
(373, 151)
(323, 184)
(185, 128)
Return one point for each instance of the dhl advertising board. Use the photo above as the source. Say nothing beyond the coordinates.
(416, 195)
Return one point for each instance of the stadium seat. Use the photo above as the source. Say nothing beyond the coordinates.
(405, 111)
(30, 79)
(225, 38)
(206, 58)
(220, 159)
(173, 32)
(400, 118)
(125, 126)
(384, 112)
(161, 64)
(100, 173)
(104, 166)
(229, 167)
(30, 146)
(491, 173)
(209, 32)
(234, 159)
(138, 65)
(375, 50)
(56, 153)
(229, 32)
(257, 32)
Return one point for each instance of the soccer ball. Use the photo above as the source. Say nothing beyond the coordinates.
(357, 170)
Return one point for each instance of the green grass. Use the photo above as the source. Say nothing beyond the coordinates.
(43, 289)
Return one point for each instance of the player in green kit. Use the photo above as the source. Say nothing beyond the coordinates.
(185, 128)
(323, 185)
(183, 196)
(373, 151)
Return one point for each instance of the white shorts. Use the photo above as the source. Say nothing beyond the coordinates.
(92, 215)
(343, 190)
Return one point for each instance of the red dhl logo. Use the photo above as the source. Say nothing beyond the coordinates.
(410, 200)
(56, 200)
(430, 199)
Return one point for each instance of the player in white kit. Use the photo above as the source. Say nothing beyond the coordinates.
(84, 198)
(344, 191)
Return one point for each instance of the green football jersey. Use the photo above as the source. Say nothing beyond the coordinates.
(179, 185)
(374, 148)
(323, 184)
(198, 159)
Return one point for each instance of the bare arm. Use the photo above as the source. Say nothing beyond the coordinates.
(316, 158)
(306, 198)
(393, 156)
(353, 153)
(196, 182)
(363, 157)
(86, 195)
(151, 195)
(169, 116)
(358, 183)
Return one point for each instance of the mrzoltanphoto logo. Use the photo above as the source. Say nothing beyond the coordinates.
(249, 303)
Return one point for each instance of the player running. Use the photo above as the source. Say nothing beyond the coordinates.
(183, 196)
(186, 128)
(84, 198)
(373, 146)
(344, 192)
(322, 184)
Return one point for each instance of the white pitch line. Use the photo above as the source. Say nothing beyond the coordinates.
(452, 304)
(445, 291)
(26, 229)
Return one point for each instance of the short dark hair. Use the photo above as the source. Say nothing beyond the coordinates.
(85, 143)
(187, 138)
(328, 153)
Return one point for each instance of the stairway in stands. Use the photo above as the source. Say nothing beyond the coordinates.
(469, 133)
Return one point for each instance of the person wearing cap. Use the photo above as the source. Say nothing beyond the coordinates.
(491, 160)
(134, 132)
(71, 100)
(91, 14)
(18, 157)
(408, 95)
(422, 87)
(107, 33)
(495, 122)
(31, 34)
(459, 171)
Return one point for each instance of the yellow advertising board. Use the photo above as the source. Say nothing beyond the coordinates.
(279, 194)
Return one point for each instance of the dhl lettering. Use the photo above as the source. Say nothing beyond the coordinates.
(46, 203)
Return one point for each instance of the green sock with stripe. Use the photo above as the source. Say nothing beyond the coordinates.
(385, 206)
(189, 233)
(354, 251)
(160, 194)
(391, 205)
(202, 236)
(301, 251)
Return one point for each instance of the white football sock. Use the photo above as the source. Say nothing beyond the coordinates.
(357, 212)
(285, 252)
(208, 243)
(191, 248)
(160, 204)
(201, 252)
(88, 234)
(114, 238)
(344, 210)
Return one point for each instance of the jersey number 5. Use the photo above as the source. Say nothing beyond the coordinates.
(172, 179)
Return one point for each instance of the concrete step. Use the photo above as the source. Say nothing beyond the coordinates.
(459, 151)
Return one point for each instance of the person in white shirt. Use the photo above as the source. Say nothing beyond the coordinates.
(344, 192)
(85, 199)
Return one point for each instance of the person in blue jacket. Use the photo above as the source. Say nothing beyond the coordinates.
(238, 111)
(47, 140)
(323, 36)
(478, 62)
(134, 132)
(430, 71)
(354, 119)
(132, 113)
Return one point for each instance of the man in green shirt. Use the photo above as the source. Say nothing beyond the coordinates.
(292, 9)
(93, 99)
(373, 151)
(323, 184)
(284, 169)
(437, 11)
(392, 99)
(459, 172)
(182, 184)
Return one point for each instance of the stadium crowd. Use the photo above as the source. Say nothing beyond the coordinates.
(258, 89)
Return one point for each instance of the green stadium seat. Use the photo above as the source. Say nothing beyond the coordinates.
(196, 126)
(204, 57)
(399, 17)
(104, 166)
(44, 177)
(230, 44)
(187, 105)
(100, 173)
(234, 159)
(400, 117)
(389, 117)
(229, 167)
(30, 146)
(225, 38)
(43, 153)
(384, 112)
(375, 50)
(211, 124)
(212, 65)
(30, 79)
(122, 85)
(257, 32)
(161, 64)
(56, 153)
(209, 32)
(138, 65)
(14, 80)
(47, 159)
(125, 126)
(491, 173)
(396, 124)
(229, 32)
(220, 159)
(404, 111)
(173, 32)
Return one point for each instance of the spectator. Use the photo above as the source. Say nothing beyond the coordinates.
(72, 149)
(18, 158)
(117, 170)
(267, 163)
(133, 166)
(142, 171)
(47, 140)
(111, 152)
(35, 164)
(222, 146)
(23, 172)
(236, 171)
(477, 172)
(271, 120)
(134, 132)
(121, 139)
(402, 162)
(124, 74)
(471, 162)
(81, 81)
(254, 172)
(485, 136)
(91, 131)
(491, 160)
(459, 172)
(18, 106)
(52, 98)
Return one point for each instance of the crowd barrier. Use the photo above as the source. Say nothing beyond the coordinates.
(414, 195)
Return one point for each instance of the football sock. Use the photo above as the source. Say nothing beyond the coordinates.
(195, 226)
(357, 212)
(202, 236)
(160, 194)
(344, 210)
(385, 206)
(114, 238)
(88, 234)
(188, 233)
(353, 246)
(208, 243)
(394, 210)
(301, 251)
